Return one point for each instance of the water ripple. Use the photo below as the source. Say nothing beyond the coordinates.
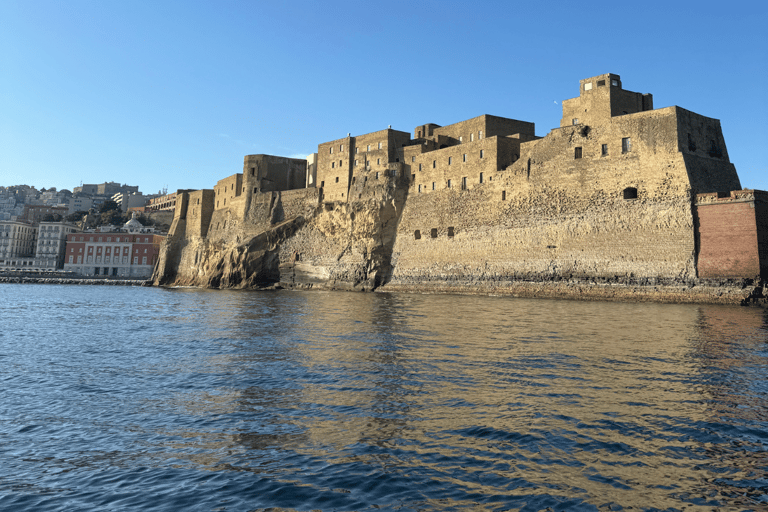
(147, 399)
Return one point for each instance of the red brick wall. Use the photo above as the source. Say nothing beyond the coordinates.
(727, 235)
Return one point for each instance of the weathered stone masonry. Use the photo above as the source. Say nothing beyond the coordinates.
(620, 201)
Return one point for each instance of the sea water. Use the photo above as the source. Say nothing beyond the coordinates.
(121, 398)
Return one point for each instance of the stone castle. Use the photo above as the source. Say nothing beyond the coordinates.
(622, 200)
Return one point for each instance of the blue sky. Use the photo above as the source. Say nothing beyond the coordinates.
(174, 94)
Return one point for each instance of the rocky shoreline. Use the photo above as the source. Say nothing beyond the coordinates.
(702, 292)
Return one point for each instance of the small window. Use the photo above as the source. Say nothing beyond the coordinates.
(481, 177)
(341, 147)
(464, 183)
(419, 189)
(434, 164)
(626, 145)
(339, 163)
(330, 150)
(377, 175)
(333, 165)
(575, 121)
(450, 160)
(337, 179)
(433, 185)
(413, 159)
(378, 161)
(601, 83)
(322, 184)
(419, 167)
(577, 152)
(450, 231)
(503, 195)
(417, 234)
(356, 150)
(413, 178)
(461, 139)
(714, 149)
(480, 134)
(604, 150)
(615, 83)
(482, 153)
(255, 189)
(630, 193)
(433, 232)
(449, 183)
(588, 86)
(355, 162)
(369, 147)
(464, 157)
(379, 145)
(471, 137)
(253, 172)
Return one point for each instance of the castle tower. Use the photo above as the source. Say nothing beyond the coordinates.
(600, 98)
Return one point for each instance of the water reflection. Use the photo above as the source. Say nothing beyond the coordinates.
(349, 401)
(488, 397)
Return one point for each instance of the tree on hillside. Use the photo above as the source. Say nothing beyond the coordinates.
(111, 217)
(108, 206)
(75, 217)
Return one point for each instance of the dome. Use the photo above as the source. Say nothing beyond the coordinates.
(133, 225)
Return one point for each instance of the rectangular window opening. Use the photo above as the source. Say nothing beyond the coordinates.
(577, 152)
(450, 232)
(626, 145)
(433, 232)
(604, 149)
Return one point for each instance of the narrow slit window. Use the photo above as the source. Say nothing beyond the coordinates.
(417, 234)
(433, 233)
(464, 183)
(626, 145)
(604, 149)
(503, 195)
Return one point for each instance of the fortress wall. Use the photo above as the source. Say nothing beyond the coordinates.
(226, 225)
(199, 212)
(701, 141)
(227, 190)
(497, 152)
(567, 216)
(481, 127)
(267, 173)
(332, 176)
(732, 234)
